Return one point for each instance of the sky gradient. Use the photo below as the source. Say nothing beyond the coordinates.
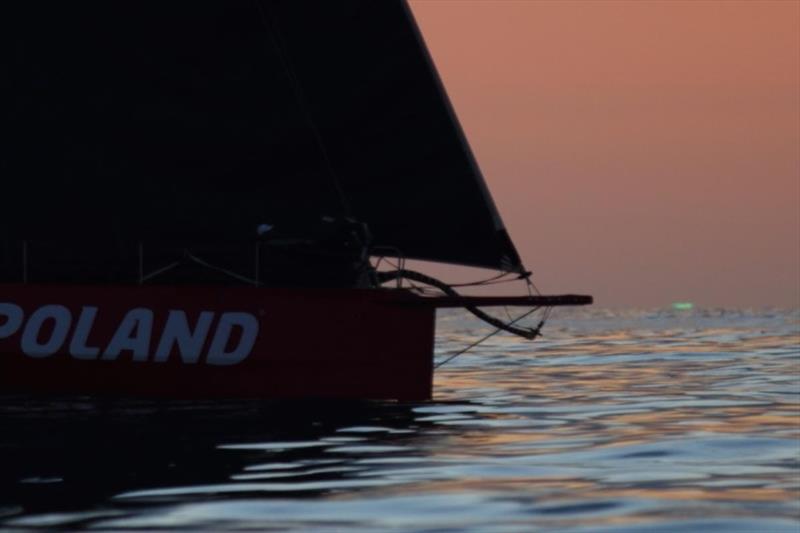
(643, 152)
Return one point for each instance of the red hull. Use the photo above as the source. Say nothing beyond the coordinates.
(207, 342)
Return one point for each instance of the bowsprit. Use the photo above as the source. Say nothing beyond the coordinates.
(211, 338)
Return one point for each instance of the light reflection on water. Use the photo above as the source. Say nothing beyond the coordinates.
(615, 421)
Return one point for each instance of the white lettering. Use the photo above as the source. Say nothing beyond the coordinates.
(133, 335)
(62, 320)
(77, 346)
(48, 329)
(177, 332)
(217, 354)
(13, 316)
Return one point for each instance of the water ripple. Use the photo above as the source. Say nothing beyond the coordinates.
(622, 421)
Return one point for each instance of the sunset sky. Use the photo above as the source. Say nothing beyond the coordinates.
(645, 152)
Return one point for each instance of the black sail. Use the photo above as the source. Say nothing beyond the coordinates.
(195, 121)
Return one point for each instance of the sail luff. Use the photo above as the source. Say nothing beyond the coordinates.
(513, 263)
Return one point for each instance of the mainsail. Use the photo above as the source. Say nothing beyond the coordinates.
(189, 122)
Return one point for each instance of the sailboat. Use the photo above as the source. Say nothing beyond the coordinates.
(198, 194)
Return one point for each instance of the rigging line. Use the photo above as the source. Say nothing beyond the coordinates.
(486, 283)
(200, 262)
(384, 277)
(414, 286)
(225, 271)
(530, 285)
(483, 281)
(158, 271)
(389, 262)
(427, 290)
(482, 339)
(297, 90)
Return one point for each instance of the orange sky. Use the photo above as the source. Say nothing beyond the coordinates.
(641, 151)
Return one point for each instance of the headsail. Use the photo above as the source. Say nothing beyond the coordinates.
(198, 121)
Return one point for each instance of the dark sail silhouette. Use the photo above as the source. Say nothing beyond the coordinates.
(193, 122)
(187, 184)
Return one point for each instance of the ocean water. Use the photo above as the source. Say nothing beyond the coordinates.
(614, 421)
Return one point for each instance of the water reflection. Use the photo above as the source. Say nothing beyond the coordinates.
(628, 421)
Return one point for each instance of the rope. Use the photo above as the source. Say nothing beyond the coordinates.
(225, 271)
(487, 281)
(202, 263)
(160, 271)
(487, 337)
(526, 333)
